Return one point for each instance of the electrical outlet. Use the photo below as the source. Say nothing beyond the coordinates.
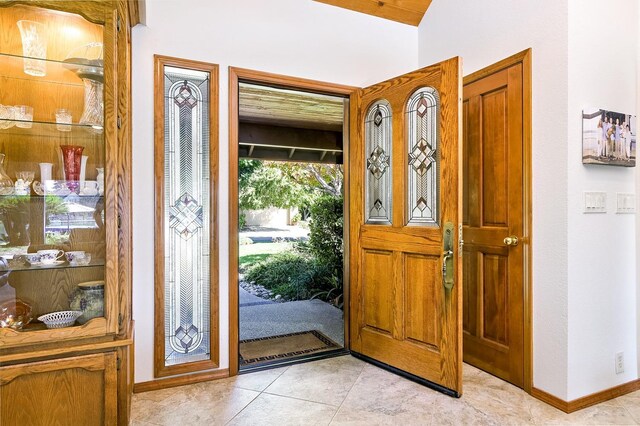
(620, 363)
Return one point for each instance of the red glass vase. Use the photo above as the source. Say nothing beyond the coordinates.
(71, 159)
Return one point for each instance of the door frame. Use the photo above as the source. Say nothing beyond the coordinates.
(523, 58)
(236, 75)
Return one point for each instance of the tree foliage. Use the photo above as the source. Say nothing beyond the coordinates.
(265, 184)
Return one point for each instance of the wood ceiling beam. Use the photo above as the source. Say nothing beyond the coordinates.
(404, 11)
(287, 137)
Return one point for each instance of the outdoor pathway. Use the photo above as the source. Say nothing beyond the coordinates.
(262, 234)
(273, 319)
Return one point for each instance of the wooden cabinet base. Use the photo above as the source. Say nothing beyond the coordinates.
(77, 391)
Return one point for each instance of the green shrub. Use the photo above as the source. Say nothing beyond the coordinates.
(326, 243)
(292, 275)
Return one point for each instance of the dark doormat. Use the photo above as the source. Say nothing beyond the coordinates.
(270, 348)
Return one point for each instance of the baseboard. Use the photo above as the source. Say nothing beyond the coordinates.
(586, 401)
(187, 379)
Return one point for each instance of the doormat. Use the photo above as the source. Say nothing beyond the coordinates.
(270, 348)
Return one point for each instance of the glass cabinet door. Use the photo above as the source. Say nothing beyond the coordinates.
(52, 170)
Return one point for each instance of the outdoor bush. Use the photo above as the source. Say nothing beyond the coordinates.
(292, 275)
(325, 234)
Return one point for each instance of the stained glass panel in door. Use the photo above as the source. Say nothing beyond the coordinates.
(378, 132)
(423, 109)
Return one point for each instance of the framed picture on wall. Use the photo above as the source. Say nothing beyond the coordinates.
(608, 138)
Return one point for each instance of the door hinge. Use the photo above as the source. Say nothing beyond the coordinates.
(460, 240)
(120, 320)
(118, 23)
(118, 363)
(119, 122)
(119, 221)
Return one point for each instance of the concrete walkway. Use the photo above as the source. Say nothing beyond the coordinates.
(272, 319)
(261, 234)
(248, 299)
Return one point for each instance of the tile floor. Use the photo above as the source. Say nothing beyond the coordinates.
(345, 390)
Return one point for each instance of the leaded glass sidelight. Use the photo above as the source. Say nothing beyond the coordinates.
(378, 163)
(186, 216)
(423, 135)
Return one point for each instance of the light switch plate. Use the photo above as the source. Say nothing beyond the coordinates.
(595, 202)
(626, 203)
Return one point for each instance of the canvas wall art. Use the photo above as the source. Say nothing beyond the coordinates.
(608, 138)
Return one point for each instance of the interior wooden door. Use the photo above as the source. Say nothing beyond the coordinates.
(494, 229)
(405, 204)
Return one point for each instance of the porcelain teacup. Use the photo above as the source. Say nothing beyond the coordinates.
(74, 255)
(49, 257)
(90, 187)
(81, 259)
(31, 257)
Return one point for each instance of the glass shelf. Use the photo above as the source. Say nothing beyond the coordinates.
(46, 129)
(63, 265)
(58, 72)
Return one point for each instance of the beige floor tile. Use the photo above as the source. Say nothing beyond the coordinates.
(140, 423)
(631, 402)
(259, 380)
(454, 411)
(211, 403)
(497, 400)
(326, 381)
(607, 413)
(277, 410)
(346, 391)
(378, 394)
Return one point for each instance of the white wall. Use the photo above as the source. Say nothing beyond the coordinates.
(299, 38)
(603, 49)
(484, 32)
(272, 216)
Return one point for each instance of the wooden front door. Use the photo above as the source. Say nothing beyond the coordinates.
(495, 232)
(405, 211)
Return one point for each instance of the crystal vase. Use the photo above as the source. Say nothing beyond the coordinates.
(6, 184)
(34, 47)
(93, 114)
(71, 160)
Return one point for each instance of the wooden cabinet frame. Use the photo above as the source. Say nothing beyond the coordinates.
(103, 345)
(106, 14)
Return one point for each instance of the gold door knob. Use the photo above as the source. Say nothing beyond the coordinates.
(511, 241)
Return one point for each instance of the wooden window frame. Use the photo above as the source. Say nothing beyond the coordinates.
(160, 369)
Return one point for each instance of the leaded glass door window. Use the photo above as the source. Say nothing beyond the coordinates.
(187, 282)
(422, 167)
(378, 180)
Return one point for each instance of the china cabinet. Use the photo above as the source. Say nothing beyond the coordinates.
(66, 333)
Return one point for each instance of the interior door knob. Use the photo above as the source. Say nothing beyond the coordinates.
(511, 240)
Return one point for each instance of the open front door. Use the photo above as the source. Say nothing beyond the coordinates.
(405, 216)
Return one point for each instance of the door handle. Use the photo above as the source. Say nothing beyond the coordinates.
(447, 269)
(511, 240)
(447, 259)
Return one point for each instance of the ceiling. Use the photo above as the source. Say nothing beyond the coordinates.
(289, 125)
(290, 108)
(405, 11)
